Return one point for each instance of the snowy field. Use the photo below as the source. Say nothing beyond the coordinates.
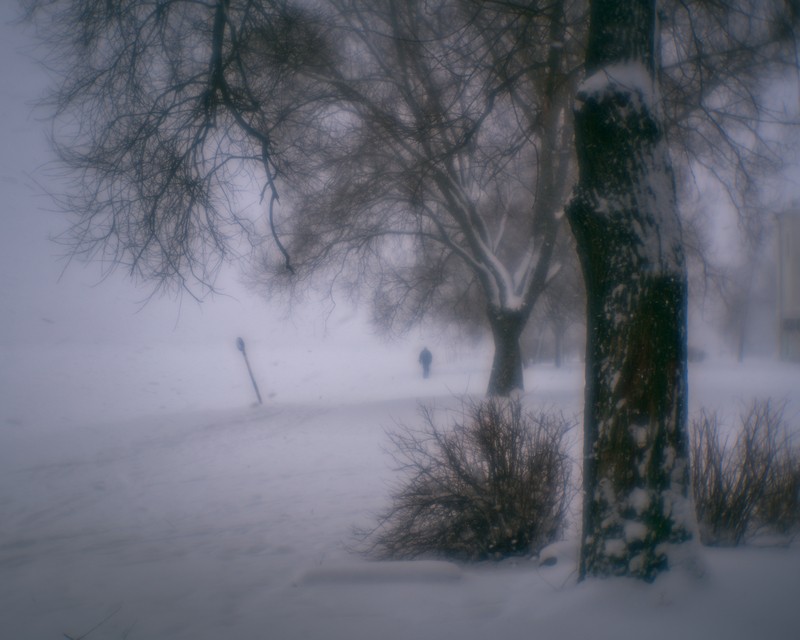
(141, 487)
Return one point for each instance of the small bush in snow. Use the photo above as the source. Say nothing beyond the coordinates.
(495, 484)
(749, 486)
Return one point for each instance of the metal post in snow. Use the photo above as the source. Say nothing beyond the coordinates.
(240, 346)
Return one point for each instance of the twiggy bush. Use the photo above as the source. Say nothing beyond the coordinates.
(750, 486)
(495, 484)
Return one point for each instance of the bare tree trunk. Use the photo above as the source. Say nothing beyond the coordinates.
(624, 216)
(558, 344)
(506, 376)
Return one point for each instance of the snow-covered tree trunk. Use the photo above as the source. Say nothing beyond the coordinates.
(637, 498)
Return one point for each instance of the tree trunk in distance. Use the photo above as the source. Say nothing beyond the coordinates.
(558, 345)
(637, 509)
(506, 376)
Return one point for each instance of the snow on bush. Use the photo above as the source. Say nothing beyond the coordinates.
(497, 483)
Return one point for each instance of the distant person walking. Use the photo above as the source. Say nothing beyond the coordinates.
(425, 359)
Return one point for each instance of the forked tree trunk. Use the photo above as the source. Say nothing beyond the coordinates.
(506, 376)
(637, 502)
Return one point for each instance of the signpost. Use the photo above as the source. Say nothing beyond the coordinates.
(240, 346)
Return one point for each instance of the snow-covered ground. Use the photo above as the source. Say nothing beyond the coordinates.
(140, 485)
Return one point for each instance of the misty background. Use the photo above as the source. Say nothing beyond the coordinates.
(109, 346)
(53, 309)
(140, 482)
(45, 301)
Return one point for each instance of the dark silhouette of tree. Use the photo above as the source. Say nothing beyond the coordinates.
(637, 499)
(167, 112)
(447, 169)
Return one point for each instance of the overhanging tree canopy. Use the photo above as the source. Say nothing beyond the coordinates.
(421, 149)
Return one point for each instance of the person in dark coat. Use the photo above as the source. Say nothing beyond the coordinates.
(425, 359)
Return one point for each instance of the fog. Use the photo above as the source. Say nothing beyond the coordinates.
(142, 486)
(48, 299)
(80, 344)
(43, 303)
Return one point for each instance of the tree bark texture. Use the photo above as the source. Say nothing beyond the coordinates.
(637, 502)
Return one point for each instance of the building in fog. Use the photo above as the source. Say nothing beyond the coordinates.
(789, 285)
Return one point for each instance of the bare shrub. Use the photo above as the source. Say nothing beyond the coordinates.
(750, 486)
(495, 484)
(779, 508)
